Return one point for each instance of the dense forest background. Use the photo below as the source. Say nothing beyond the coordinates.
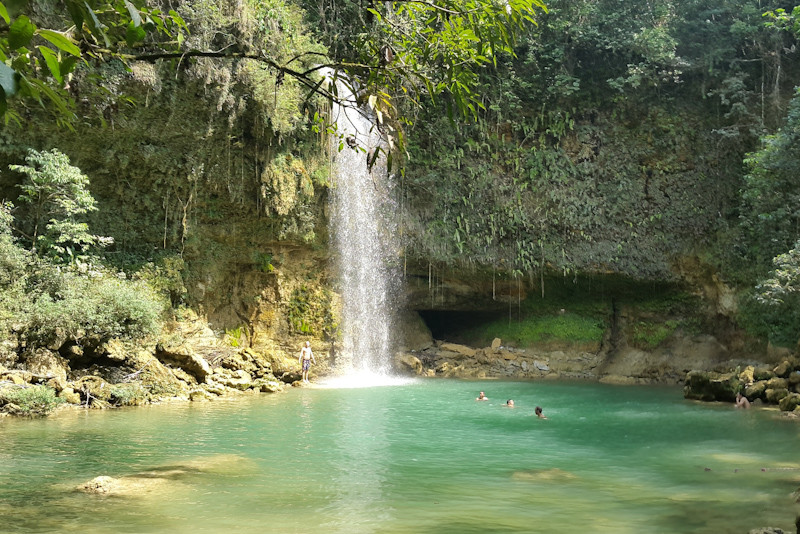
(652, 143)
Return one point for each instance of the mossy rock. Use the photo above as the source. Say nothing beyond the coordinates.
(783, 369)
(762, 373)
(789, 402)
(756, 391)
(777, 383)
(774, 396)
(705, 386)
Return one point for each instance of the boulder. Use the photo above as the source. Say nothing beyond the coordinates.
(255, 363)
(789, 402)
(413, 333)
(16, 377)
(756, 391)
(774, 396)
(238, 379)
(762, 373)
(186, 359)
(200, 395)
(508, 355)
(706, 386)
(93, 389)
(777, 383)
(265, 385)
(114, 350)
(460, 350)
(408, 362)
(99, 485)
(768, 530)
(69, 395)
(45, 364)
(794, 378)
(496, 342)
(783, 369)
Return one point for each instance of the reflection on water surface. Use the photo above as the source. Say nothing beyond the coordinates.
(420, 457)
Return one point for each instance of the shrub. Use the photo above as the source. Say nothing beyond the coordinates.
(76, 306)
(129, 394)
(31, 400)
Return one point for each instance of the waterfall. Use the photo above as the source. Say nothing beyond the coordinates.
(363, 235)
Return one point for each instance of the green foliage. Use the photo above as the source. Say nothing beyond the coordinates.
(648, 335)
(100, 305)
(40, 61)
(771, 193)
(565, 328)
(263, 261)
(58, 195)
(234, 336)
(783, 282)
(309, 311)
(165, 277)
(777, 324)
(560, 174)
(31, 400)
(128, 394)
(400, 54)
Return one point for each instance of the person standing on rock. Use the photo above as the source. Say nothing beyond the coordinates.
(306, 357)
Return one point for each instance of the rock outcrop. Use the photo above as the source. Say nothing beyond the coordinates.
(779, 385)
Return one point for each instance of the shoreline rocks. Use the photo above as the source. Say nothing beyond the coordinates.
(779, 385)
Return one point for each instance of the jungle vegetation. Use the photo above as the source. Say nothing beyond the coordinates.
(528, 138)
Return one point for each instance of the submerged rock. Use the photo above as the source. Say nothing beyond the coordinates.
(546, 475)
(164, 479)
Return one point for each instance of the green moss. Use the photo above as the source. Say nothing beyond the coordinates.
(566, 328)
(650, 334)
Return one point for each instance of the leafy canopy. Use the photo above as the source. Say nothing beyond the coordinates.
(411, 49)
(36, 62)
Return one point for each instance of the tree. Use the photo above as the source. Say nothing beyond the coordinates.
(409, 50)
(58, 195)
(36, 62)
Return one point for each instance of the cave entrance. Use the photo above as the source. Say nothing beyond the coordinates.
(464, 327)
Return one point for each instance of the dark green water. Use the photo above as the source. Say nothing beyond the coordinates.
(418, 458)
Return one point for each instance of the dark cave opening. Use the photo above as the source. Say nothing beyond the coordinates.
(459, 326)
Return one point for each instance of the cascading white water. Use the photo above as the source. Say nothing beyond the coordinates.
(364, 239)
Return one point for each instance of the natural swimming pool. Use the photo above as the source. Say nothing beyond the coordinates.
(423, 457)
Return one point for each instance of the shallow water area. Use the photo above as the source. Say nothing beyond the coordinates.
(416, 457)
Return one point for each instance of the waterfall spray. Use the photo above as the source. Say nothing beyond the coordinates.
(364, 240)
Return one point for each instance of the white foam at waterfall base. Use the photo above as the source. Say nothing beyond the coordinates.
(363, 238)
(364, 379)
